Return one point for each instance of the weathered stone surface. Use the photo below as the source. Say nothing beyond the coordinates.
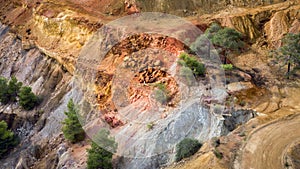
(239, 86)
(276, 28)
(187, 7)
(47, 80)
(237, 118)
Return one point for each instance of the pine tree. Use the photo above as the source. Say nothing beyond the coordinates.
(27, 99)
(101, 152)
(289, 53)
(72, 128)
(229, 39)
(4, 98)
(7, 139)
(13, 89)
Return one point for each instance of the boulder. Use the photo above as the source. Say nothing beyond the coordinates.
(239, 86)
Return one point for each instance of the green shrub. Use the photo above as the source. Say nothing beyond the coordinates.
(186, 148)
(161, 86)
(201, 44)
(27, 99)
(192, 63)
(242, 134)
(218, 154)
(187, 74)
(212, 30)
(150, 125)
(227, 66)
(72, 128)
(7, 139)
(242, 103)
(100, 156)
(161, 94)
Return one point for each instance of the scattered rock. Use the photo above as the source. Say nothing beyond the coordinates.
(239, 86)
(157, 63)
(61, 150)
(246, 77)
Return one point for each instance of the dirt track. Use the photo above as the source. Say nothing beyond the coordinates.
(266, 145)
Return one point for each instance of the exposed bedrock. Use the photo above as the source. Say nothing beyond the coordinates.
(49, 81)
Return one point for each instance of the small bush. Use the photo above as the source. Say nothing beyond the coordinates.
(7, 139)
(242, 103)
(186, 148)
(192, 63)
(227, 66)
(150, 126)
(161, 94)
(71, 126)
(201, 45)
(242, 134)
(161, 86)
(212, 30)
(27, 99)
(218, 154)
(187, 74)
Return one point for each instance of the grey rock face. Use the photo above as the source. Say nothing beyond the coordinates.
(237, 118)
(49, 81)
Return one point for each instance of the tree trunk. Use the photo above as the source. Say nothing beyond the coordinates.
(225, 57)
(208, 50)
(289, 68)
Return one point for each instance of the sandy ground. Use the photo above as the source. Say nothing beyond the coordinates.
(266, 145)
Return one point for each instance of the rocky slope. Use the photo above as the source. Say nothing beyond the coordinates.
(44, 39)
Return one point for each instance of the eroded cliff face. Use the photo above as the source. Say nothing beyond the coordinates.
(47, 38)
(265, 25)
(192, 7)
(57, 31)
(50, 81)
(61, 28)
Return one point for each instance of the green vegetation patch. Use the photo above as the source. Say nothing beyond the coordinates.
(101, 152)
(186, 148)
(227, 67)
(13, 89)
(192, 63)
(72, 128)
(289, 53)
(7, 139)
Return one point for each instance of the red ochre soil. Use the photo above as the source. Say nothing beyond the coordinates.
(146, 82)
(148, 71)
